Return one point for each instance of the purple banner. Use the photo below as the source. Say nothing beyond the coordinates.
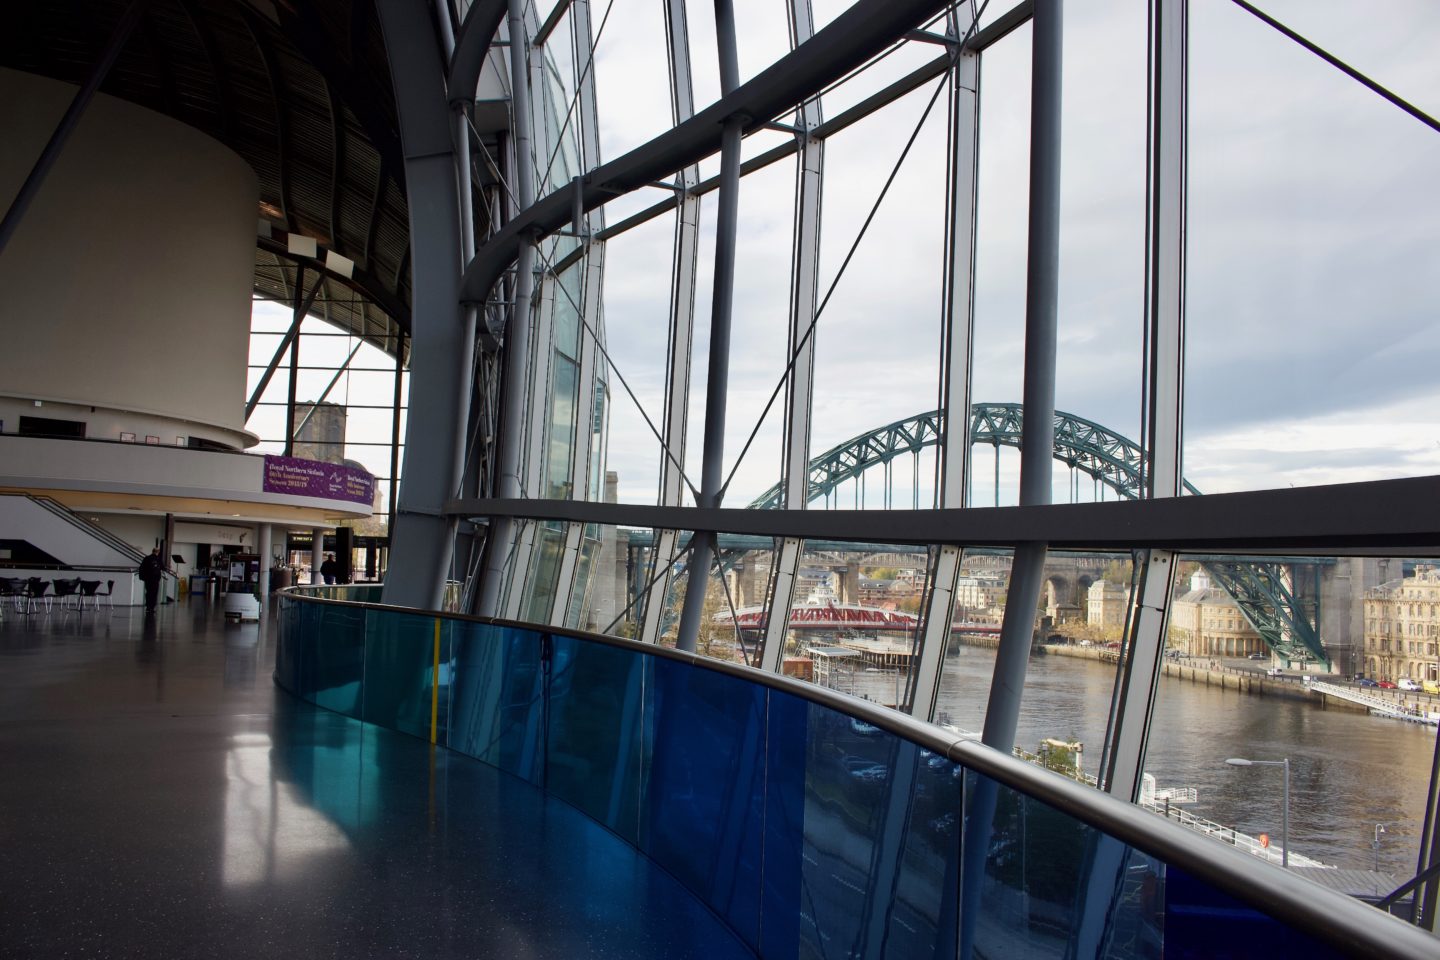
(314, 478)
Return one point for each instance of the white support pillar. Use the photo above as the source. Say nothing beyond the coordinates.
(317, 554)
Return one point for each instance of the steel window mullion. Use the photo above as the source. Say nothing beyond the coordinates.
(800, 386)
(521, 587)
(588, 309)
(958, 339)
(787, 568)
(682, 320)
(538, 426)
(1137, 681)
(518, 586)
(508, 475)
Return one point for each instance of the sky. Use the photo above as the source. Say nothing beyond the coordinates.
(1313, 247)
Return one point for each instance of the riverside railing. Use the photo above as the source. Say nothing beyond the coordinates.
(815, 825)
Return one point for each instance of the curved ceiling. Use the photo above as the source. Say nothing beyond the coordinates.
(300, 91)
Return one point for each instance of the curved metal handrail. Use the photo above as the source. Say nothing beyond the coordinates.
(1342, 921)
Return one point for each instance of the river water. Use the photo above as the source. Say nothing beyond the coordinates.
(1348, 771)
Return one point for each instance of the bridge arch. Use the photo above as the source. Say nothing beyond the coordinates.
(1086, 446)
(1265, 592)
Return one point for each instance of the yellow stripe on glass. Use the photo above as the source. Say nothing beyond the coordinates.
(435, 686)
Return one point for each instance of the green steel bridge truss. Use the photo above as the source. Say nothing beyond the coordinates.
(1271, 595)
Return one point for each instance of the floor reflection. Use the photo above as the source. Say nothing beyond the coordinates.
(270, 831)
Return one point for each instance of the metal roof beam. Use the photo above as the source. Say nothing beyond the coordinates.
(850, 40)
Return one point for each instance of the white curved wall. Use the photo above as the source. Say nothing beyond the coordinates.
(127, 286)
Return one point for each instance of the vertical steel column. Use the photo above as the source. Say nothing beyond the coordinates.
(1426, 897)
(582, 37)
(395, 430)
(517, 339)
(800, 387)
(721, 304)
(422, 537)
(1137, 682)
(957, 349)
(460, 103)
(264, 547)
(297, 319)
(1027, 571)
(1038, 438)
(682, 329)
(70, 120)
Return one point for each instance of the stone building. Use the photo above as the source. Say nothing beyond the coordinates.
(1105, 604)
(1206, 622)
(1402, 627)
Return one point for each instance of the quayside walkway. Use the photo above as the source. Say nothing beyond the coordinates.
(161, 798)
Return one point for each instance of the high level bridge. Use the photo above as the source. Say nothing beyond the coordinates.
(1279, 597)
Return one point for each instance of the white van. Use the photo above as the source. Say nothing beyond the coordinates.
(1405, 683)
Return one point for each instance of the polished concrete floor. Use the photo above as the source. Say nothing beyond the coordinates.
(160, 798)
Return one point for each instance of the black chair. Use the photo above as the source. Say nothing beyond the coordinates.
(36, 590)
(12, 590)
(109, 591)
(87, 592)
(68, 592)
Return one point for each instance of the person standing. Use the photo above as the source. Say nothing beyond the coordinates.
(151, 569)
(330, 569)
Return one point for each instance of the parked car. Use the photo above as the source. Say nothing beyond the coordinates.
(1365, 682)
(1385, 685)
(1430, 686)
(1407, 684)
(1258, 656)
(1275, 672)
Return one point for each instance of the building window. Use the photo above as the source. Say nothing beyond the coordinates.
(49, 427)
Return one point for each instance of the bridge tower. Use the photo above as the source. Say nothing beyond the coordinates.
(1342, 608)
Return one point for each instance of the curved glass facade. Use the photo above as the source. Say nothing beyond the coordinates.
(900, 380)
(809, 826)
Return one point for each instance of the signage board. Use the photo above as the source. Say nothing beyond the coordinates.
(315, 478)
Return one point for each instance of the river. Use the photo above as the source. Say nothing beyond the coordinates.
(1348, 771)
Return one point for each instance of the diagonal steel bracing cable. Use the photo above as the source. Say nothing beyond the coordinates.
(1342, 66)
(579, 83)
(547, 263)
(651, 585)
(810, 329)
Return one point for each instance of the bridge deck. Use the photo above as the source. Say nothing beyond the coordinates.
(1378, 705)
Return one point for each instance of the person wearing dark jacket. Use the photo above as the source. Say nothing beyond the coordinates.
(151, 569)
(330, 569)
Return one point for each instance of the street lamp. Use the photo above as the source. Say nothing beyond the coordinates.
(1285, 813)
(1379, 829)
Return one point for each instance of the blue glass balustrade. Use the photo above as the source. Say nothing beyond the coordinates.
(809, 831)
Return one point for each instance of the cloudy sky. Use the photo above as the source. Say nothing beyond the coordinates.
(1313, 251)
(1313, 254)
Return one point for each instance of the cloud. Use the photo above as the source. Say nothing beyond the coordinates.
(1313, 254)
